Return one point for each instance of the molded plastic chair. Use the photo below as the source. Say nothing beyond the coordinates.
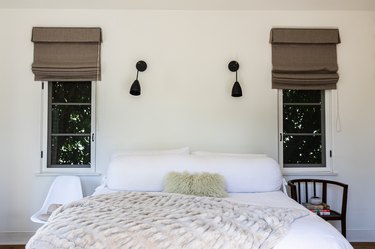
(301, 192)
(63, 190)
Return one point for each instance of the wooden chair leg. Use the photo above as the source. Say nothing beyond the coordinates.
(343, 227)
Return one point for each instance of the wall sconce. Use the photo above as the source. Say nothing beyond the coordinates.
(236, 90)
(135, 89)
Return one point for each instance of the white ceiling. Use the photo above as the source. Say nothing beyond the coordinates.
(192, 4)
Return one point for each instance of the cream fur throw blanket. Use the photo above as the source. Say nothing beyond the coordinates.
(160, 221)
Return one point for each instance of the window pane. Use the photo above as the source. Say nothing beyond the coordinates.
(71, 92)
(70, 150)
(302, 119)
(302, 150)
(71, 119)
(302, 96)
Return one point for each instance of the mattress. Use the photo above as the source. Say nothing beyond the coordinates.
(309, 232)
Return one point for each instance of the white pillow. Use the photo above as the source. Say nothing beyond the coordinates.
(147, 173)
(207, 153)
(142, 173)
(179, 151)
(242, 174)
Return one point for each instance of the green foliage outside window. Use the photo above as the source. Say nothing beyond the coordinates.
(70, 124)
(303, 128)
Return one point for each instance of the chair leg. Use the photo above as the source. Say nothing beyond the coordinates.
(343, 227)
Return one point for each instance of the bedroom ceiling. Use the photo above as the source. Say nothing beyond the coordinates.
(192, 4)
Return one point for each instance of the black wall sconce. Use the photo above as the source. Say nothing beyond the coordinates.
(236, 90)
(135, 89)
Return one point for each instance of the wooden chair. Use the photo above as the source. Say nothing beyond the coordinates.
(303, 189)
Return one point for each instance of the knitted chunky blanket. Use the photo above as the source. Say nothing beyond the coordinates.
(160, 221)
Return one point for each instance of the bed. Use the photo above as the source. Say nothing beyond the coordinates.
(130, 209)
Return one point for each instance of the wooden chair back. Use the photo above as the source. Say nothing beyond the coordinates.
(301, 192)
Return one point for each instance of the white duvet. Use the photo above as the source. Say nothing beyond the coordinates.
(310, 232)
(163, 220)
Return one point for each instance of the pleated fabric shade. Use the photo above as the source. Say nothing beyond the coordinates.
(304, 59)
(66, 54)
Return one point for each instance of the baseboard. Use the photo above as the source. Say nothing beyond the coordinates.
(15, 238)
(361, 235)
(21, 238)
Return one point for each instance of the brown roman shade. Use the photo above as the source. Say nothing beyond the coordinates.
(304, 58)
(66, 54)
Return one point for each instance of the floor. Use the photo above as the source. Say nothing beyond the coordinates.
(12, 246)
(363, 245)
(356, 245)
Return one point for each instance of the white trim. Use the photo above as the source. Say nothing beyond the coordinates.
(280, 125)
(360, 235)
(21, 238)
(328, 169)
(15, 238)
(304, 172)
(44, 128)
(93, 126)
(44, 170)
(329, 132)
(59, 174)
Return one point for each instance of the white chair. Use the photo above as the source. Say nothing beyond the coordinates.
(64, 189)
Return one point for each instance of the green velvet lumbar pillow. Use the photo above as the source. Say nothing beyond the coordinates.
(200, 184)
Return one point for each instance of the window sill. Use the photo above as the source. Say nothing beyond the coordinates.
(309, 173)
(59, 174)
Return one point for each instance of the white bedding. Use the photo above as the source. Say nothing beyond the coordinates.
(163, 220)
(310, 232)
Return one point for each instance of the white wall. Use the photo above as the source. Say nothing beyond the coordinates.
(185, 97)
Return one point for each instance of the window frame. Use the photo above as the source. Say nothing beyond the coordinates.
(45, 136)
(326, 169)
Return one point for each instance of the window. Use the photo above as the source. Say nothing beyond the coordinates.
(304, 129)
(69, 127)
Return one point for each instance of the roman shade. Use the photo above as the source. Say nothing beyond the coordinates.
(304, 58)
(66, 54)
